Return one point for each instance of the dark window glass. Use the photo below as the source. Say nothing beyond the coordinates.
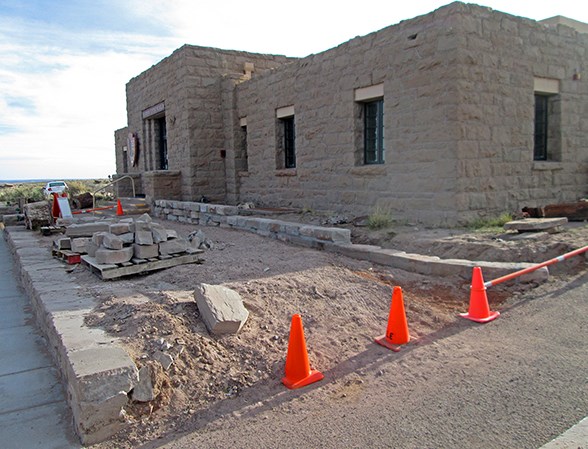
(541, 124)
(374, 132)
(289, 142)
(163, 164)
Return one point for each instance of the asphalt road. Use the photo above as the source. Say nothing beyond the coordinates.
(516, 382)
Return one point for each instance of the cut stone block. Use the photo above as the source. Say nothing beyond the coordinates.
(87, 229)
(112, 241)
(221, 309)
(145, 251)
(143, 391)
(80, 245)
(62, 243)
(98, 238)
(128, 237)
(111, 256)
(172, 234)
(92, 248)
(120, 228)
(143, 237)
(174, 246)
(159, 233)
(535, 224)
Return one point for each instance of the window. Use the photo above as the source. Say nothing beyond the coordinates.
(547, 138)
(373, 132)
(285, 138)
(289, 142)
(369, 124)
(162, 143)
(241, 159)
(547, 134)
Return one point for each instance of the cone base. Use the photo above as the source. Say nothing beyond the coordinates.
(492, 316)
(384, 341)
(313, 377)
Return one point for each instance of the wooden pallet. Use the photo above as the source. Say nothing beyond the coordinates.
(69, 257)
(139, 266)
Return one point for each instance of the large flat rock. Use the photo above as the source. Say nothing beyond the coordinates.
(535, 224)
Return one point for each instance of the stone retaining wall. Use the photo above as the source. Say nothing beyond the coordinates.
(96, 371)
(332, 239)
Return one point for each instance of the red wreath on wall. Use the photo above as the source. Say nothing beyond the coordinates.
(133, 145)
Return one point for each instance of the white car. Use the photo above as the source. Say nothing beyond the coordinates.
(55, 187)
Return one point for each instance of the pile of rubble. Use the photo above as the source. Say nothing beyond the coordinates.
(128, 241)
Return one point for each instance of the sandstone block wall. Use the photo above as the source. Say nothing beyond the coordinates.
(416, 60)
(188, 83)
(458, 119)
(499, 58)
(458, 90)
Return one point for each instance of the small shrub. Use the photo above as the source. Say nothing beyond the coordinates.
(380, 219)
(490, 224)
(31, 192)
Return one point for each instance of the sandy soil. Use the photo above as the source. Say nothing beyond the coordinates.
(344, 303)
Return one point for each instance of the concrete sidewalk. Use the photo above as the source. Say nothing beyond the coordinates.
(33, 410)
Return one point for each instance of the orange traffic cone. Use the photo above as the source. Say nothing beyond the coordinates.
(479, 310)
(298, 372)
(119, 209)
(397, 329)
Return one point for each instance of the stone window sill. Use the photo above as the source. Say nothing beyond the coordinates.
(286, 172)
(369, 170)
(547, 165)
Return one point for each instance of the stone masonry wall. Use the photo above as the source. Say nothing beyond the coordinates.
(188, 83)
(458, 119)
(416, 61)
(499, 57)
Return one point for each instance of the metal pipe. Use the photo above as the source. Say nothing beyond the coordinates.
(508, 277)
(112, 183)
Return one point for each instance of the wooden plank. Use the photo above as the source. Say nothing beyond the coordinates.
(106, 272)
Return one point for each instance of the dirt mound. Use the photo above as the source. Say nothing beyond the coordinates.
(344, 304)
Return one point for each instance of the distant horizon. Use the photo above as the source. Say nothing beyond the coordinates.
(29, 181)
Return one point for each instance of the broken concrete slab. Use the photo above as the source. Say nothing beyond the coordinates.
(113, 256)
(536, 224)
(221, 309)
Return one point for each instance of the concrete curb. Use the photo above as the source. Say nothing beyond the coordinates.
(96, 371)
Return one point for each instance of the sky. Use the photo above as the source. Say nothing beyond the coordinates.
(64, 64)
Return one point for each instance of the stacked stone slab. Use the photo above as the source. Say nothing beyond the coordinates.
(125, 241)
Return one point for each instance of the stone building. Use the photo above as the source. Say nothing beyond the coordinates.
(462, 113)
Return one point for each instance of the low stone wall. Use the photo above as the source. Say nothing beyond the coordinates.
(206, 214)
(333, 239)
(96, 371)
